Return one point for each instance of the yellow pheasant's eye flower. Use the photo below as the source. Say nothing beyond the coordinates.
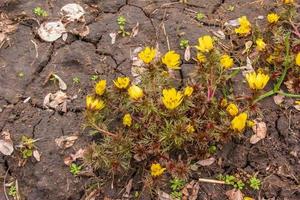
(239, 122)
(201, 57)
(122, 82)
(224, 103)
(127, 120)
(190, 129)
(94, 104)
(157, 170)
(288, 1)
(271, 59)
(205, 43)
(232, 109)
(245, 26)
(257, 81)
(260, 44)
(172, 60)
(147, 55)
(298, 59)
(250, 123)
(272, 18)
(100, 87)
(188, 91)
(135, 92)
(172, 98)
(226, 61)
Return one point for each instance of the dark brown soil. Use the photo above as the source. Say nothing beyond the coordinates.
(276, 158)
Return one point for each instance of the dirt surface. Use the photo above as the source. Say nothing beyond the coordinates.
(276, 158)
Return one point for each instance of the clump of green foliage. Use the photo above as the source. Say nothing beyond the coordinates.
(157, 114)
(177, 185)
(254, 183)
(27, 147)
(40, 12)
(122, 23)
(75, 169)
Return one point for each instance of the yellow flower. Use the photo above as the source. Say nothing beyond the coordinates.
(245, 26)
(224, 103)
(239, 122)
(206, 43)
(298, 59)
(226, 61)
(271, 59)
(147, 55)
(100, 87)
(188, 90)
(127, 120)
(135, 92)
(232, 109)
(171, 59)
(260, 44)
(272, 18)
(122, 82)
(250, 123)
(94, 104)
(201, 57)
(172, 98)
(288, 1)
(190, 129)
(257, 81)
(157, 170)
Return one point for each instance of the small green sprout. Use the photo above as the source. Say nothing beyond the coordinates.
(239, 185)
(40, 12)
(255, 183)
(76, 80)
(212, 149)
(232, 180)
(94, 77)
(75, 169)
(176, 195)
(177, 184)
(184, 43)
(27, 146)
(12, 191)
(199, 16)
(122, 22)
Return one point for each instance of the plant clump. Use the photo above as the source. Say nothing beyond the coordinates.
(162, 122)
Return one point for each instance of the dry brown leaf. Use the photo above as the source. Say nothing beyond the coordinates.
(6, 144)
(135, 30)
(113, 37)
(206, 162)
(93, 195)
(191, 190)
(65, 142)
(127, 190)
(260, 132)
(55, 101)
(73, 157)
(51, 31)
(72, 12)
(6, 25)
(278, 99)
(248, 45)
(234, 194)
(163, 196)
(220, 34)
(62, 85)
(187, 53)
(37, 155)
